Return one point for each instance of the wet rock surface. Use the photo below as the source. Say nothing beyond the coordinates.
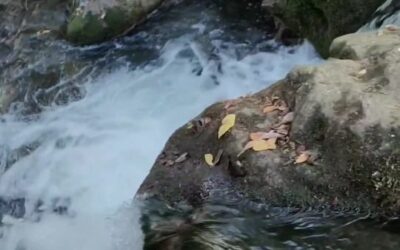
(346, 116)
(96, 21)
(387, 14)
(321, 21)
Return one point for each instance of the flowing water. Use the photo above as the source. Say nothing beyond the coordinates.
(69, 173)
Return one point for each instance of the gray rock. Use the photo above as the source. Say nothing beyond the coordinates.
(94, 21)
(346, 117)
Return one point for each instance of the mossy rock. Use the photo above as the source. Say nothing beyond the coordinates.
(321, 21)
(90, 25)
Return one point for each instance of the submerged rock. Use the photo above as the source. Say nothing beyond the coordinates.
(346, 120)
(94, 21)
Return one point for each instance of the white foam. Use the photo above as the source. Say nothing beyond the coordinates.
(111, 138)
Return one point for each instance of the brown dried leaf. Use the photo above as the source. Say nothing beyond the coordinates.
(283, 129)
(183, 157)
(268, 101)
(205, 121)
(269, 109)
(275, 99)
(230, 104)
(248, 146)
(218, 157)
(302, 158)
(288, 118)
(256, 136)
(300, 149)
(169, 163)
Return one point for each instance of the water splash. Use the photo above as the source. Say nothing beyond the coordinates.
(87, 158)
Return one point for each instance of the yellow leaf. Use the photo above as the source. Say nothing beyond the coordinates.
(259, 145)
(209, 159)
(270, 109)
(263, 145)
(302, 158)
(227, 123)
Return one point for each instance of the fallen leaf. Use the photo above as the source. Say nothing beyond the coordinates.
(189, 125)
(283, 108)
(182, 158)
(230, 103)
(288, 118)
(300, 149)
(248, 146)
(263, 145)
(269, 109)
(259, 145)
(43, 32)
(281, 105)
(361, 73)
(209, 159)
(268, 101)
(256, 136)
(302, 158)
(169, 163)
(283, 129)
(275, 99)
(218, 157)
(265, 135)
(227, 123)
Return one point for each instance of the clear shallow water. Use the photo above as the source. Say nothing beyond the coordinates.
(83, 161)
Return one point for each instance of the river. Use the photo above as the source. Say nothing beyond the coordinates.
(86, 157)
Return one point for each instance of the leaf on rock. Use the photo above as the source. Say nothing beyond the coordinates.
(230, 104)
(183, 157)
(256, 136)
(189, 125)
(283, 129)
(227, 123)
(259, 145)
(209, 159)
(362, 73)
(302, 158)
(218, 157)
(205, 121)
(263, 145)
(288, 118)
(248, 146)
(269, 109)
(265, 135)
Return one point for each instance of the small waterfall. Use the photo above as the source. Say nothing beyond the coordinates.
(69, 173)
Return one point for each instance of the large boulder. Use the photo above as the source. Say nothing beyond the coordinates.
(344, 136)
(94, 21)
(321, 21)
